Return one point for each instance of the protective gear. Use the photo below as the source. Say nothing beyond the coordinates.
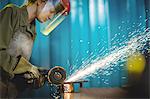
(29, 77)
(56, 75)
(62, 9)
(25, 67)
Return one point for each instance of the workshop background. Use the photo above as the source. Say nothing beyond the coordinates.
(90, 27)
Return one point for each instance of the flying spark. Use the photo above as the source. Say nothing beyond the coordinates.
(136, 43)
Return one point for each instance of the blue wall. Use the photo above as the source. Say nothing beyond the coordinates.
(92, 28)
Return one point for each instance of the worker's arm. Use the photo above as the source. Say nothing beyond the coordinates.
(7, 62)
(8, 21)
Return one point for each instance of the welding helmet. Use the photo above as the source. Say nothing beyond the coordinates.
(61, 8)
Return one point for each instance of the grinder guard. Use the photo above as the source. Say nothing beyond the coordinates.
(56, 75)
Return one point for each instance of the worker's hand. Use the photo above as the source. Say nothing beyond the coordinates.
(32, 74)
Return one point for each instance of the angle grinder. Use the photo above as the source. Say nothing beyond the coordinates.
(56, 75)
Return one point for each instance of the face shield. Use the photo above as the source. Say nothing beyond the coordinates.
(61, 9)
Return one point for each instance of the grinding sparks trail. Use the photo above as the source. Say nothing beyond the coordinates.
(135, 44)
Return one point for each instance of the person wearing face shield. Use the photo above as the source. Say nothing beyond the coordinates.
(17, 34)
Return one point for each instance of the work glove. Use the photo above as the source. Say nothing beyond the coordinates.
(26, 70)
(32, 74)
(27, 75)
(29, 79)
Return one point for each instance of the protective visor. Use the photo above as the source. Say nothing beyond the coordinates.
(61, 9)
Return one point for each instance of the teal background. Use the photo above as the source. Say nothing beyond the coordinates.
(92, 28)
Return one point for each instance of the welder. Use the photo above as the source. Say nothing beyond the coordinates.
(17, 34)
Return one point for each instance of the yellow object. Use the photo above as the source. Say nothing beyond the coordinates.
(136, 63)
(23, 66)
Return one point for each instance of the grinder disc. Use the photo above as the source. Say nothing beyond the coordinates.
(56, 75)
